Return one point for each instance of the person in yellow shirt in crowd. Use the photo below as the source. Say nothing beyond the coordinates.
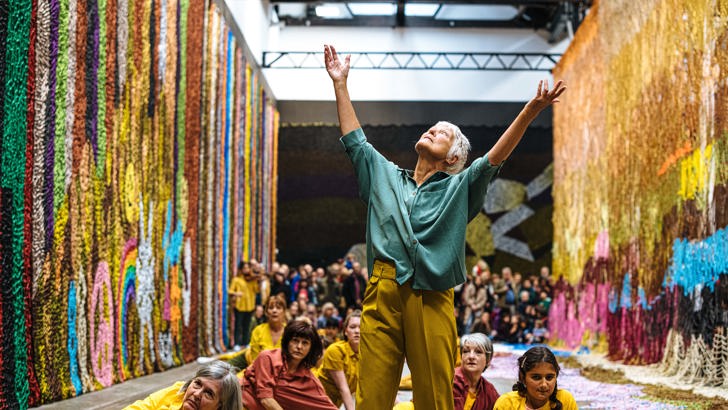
(243, 288)
(339, 371)
(536, 387)
(214, 387)
(266, 335)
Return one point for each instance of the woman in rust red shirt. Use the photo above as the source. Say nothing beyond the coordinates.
(282, 378)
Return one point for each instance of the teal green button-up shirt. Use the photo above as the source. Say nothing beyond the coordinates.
(420, 229)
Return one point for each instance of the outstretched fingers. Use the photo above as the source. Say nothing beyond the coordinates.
(559, 89)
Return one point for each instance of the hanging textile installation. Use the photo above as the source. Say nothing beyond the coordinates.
(641, 186)
(137, 167)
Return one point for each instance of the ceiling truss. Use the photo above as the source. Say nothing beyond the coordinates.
(418, 60)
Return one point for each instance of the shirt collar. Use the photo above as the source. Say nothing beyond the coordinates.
(437, 176)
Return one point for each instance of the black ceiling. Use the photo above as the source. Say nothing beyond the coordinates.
(552, 15)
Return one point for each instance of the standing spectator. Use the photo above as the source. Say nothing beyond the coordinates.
(294, 276)
(331, 285)
(354, 286)
(280, 285)
(516, 330)
(545, 281)
(477, 298)
(244, 287)
(263, 281)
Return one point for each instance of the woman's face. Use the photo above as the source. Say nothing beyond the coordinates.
(473, 358)
(540, 383)
(352, 331)
(298, 348)
(275, 312)
(202, 394)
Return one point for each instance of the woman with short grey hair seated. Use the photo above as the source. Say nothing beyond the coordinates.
(470, 389)
(215, 386)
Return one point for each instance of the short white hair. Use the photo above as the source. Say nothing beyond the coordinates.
(460, 148)
(480, 340)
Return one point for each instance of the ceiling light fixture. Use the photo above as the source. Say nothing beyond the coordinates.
(420, 10)
(328, 11)
(477, 12)
(372, 9)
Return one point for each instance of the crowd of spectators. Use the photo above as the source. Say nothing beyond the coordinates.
(323, 295)
(508, 306)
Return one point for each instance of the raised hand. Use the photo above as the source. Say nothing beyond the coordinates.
(338, 70)
(545, 97)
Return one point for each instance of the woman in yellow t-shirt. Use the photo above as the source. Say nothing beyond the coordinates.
(215, 386)
(339, 371)
(266, 335)
(536, 387)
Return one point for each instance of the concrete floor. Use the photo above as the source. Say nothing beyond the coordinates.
(121, 395)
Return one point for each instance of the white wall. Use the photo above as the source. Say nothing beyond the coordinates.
(252, 17)
(393, 85)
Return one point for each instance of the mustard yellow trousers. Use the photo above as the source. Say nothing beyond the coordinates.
(398, 322)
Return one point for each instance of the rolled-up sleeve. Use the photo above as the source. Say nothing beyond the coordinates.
(265, 377)
(479, 175)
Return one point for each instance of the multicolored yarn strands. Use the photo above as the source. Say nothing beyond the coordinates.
(123, 181)
(14, 149)
(641, 187)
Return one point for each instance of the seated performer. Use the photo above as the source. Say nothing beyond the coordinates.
(282, 378)
(266, 335)
(470, 389)
(536, 386)
(339, 371)
(214, 387)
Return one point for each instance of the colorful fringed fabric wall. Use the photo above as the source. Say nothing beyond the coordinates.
(640, 187)
(137, 166)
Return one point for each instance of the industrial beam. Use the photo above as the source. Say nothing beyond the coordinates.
(401, 60)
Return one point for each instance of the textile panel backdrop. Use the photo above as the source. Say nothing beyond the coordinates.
(137, 166)
(640, 187)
